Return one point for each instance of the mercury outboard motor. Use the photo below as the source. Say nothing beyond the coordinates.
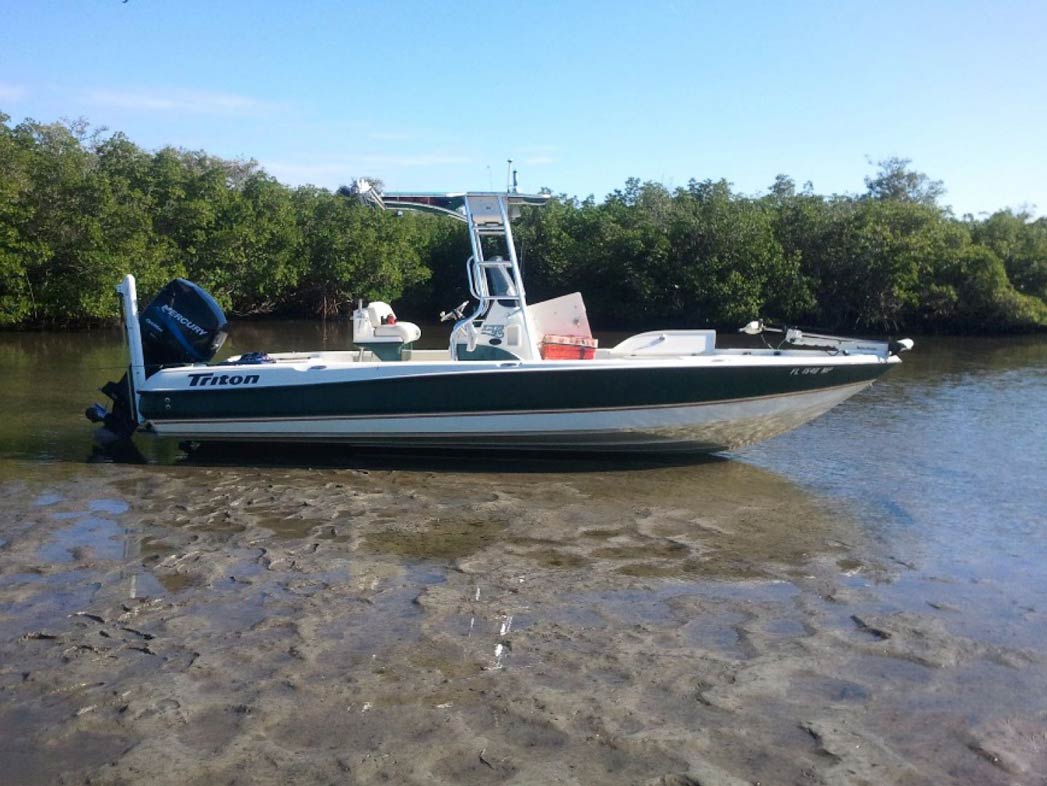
(183, 324)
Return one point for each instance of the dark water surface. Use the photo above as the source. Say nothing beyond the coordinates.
(926, 495)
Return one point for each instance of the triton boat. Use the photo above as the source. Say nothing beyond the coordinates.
(516, 375)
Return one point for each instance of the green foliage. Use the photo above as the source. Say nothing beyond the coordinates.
(352, 251)
(698, 256)
(1022, 246)
(896, 182)
(78, 209)
(16, 252)
(889, 260)
(893, 259)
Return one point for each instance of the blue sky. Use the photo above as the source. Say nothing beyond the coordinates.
(582, 95)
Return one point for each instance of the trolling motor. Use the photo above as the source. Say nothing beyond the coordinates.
(182, 325)
(799, 338)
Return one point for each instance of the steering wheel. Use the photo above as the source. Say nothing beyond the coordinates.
(456, 313)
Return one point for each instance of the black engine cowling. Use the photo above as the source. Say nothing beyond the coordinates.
(182, 324)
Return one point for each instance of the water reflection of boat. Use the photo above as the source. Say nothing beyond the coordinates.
(515, 375)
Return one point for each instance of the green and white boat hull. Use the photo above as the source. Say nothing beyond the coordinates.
(702, 404)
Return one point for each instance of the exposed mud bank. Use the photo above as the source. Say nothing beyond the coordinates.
(708, 624)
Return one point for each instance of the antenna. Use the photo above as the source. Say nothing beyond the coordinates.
(508, 174)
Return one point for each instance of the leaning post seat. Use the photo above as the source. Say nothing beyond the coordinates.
(377, 330)
(405, 332)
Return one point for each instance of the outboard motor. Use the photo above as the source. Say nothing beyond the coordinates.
(183, 324)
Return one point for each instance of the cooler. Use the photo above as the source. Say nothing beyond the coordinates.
(567, 347)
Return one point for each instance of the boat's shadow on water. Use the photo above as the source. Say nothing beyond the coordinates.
(433, 460)
(416, 460)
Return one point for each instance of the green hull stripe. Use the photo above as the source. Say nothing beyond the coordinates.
(562, 390)
(485, 352)
(578, 410)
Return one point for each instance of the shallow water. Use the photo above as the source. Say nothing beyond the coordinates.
(945, 463)
(859, 601)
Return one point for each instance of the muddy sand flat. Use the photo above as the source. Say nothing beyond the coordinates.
(421, 624)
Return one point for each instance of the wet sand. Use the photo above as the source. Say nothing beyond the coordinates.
(440, 622)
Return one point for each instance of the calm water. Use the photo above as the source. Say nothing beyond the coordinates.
(943, 461)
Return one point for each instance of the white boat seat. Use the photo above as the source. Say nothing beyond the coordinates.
(378, 312)
(406, 332)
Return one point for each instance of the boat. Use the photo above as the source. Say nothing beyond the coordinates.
(515, 375)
